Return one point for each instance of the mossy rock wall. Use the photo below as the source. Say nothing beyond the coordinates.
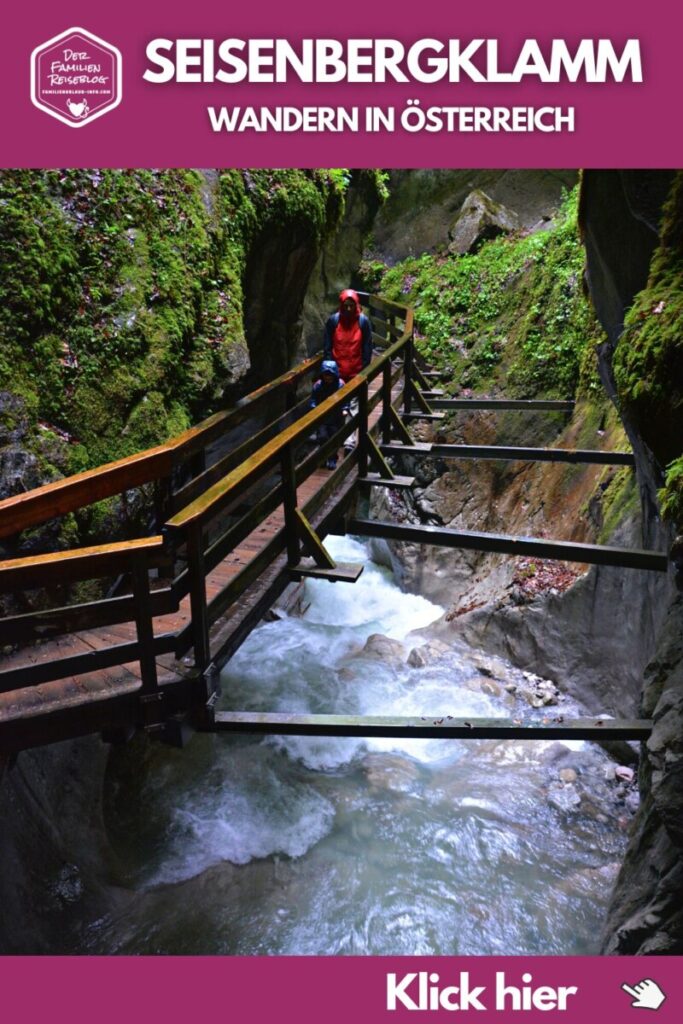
(135, 303)
(648, 360)
(511, 317)
(423, 204)
(122, 305)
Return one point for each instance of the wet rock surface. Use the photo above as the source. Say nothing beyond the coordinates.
(646, 915)
(422, 204)
(479, 219)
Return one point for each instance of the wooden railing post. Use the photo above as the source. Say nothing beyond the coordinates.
(197, 463)
(363, 430)
(290, 398)
(289, 502)
(163, 492)
(391, 322)
(386, 403)
(408, 376)
(144, 625)
(197, 579)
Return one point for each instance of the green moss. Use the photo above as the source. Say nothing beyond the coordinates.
(126, 284)
(648, 361)
(620, 498)
(671, 495)
(121, 301)
(511, 316)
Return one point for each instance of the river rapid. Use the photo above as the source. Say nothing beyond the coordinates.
(289, 845)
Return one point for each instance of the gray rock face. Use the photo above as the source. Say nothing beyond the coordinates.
(646, 915)
(18, 470)
(50, 811)
(620, 221)
(423, 204)
(18, 466)
(620, 214)
(479, 219)
(579, 638)
(337, 265)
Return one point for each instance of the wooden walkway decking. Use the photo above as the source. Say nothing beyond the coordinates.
(229, 537)
(120, 681)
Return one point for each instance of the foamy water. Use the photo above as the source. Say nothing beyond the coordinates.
(347, 845)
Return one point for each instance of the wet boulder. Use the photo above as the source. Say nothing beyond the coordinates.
(427, 653)
(479, 219)
(384, 648)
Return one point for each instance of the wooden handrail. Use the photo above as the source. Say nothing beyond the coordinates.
(73, 492)
(214, 500)
(242, 477)
(80, 563)
(81, 489)
(224, 484)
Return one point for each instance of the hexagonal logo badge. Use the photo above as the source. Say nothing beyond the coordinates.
(76, 77)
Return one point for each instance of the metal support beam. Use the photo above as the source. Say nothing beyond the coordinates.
(508, 454)
(343, 572)
(423, 415)
(442, 726)
(399, 427)
(408, 360)
(559, 550)
(378, 461)
(398, 482)
(289, 503)
(496, 404)
(385, 423)
(419, 377)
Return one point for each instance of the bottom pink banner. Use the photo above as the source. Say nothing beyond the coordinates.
(351, 990)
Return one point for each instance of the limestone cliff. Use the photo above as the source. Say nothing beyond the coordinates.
(644, 360)
(135, 303)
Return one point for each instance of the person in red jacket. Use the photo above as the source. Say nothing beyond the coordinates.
(348, 337)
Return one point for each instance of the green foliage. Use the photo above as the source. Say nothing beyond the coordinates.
(671, 495)
(618, 499)
(382, 184)
(121, 301)
(371, 274)
(512, 315)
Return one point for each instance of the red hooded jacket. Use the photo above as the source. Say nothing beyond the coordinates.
(348, 338)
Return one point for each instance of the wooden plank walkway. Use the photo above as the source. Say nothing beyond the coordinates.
(104, 684)
(105, 688)
(121, 681)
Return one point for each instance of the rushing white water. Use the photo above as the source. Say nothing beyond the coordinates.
(311, 845)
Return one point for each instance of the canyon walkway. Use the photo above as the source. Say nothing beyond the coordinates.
(241, 508)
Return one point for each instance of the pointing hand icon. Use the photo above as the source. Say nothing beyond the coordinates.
(647, 994)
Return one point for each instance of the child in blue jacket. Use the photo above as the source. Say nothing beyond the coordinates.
(328, 384)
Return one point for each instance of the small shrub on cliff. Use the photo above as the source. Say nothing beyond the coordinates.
(671, 495)
(511, 316)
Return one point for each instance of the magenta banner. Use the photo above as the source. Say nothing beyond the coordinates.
(392, 83)
(575, 990)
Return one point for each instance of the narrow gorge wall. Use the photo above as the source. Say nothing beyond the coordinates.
(643, 363)
(612, 638)
(132, 305)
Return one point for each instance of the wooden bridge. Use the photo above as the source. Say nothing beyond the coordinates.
(241, 508)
